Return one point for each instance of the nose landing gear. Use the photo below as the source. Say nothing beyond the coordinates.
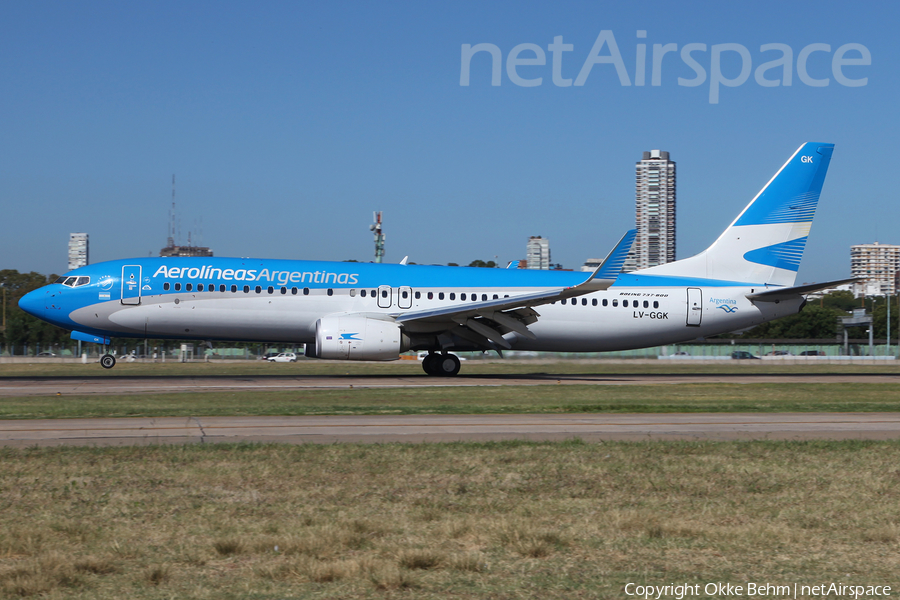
(107, 361)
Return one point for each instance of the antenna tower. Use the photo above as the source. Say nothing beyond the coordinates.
(379, 236)
(171, 237)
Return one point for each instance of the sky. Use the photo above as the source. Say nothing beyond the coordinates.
(286, 124)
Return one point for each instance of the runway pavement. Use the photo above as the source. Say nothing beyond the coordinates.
(48, 386)
(447, 428)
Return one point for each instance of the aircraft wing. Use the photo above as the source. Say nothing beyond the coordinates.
(484, 323)
(786, 293)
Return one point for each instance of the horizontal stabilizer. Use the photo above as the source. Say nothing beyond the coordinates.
(778, 294)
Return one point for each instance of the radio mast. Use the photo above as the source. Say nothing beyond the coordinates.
(379, 236)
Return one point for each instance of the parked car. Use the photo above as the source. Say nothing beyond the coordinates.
(46, 354)
(779, 353)
(283, 357)
(813, 353)
(742, 354)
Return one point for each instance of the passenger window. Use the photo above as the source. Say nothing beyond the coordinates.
(189, 286)
(233, 289)
(284, 290)
(199, 287)
(352, 293)
(293, 291)
(452, 296)
(222, 287)
(625, 303)
(584, 301)
(306, 291)
(246, 289)
(655, 304)
(431, 295)
(166, 286)
(605, 302)
(418, 295)
(177, 287)
(646, 304)
(441, 296)
(362, 293)
(383, 293)
(405, 294)
(259, 289)
(330, 292)
(270, 289)
(593, 302)
(615, 302)
(474, 297)
(461, 296)
(484, 297)
(496, 297)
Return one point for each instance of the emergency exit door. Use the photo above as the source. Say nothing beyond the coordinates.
(694, 306)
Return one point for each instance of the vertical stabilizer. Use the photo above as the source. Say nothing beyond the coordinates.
(766, 241)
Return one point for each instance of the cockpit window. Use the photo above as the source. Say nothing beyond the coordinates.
(60, 279)
(74, 281)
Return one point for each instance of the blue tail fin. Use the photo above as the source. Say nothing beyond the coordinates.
(766, 241)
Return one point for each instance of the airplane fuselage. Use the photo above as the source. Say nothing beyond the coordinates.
(282, 300)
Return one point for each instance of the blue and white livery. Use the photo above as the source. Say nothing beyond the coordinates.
(359, 311)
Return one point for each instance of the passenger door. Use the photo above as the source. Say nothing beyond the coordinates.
(131, 284)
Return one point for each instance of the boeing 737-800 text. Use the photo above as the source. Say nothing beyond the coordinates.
(358, 311)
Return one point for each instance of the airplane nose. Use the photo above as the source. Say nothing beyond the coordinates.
(37, 303)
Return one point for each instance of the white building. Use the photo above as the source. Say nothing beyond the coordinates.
(78, 250)
(878, 264)
(537, 253)
(654, 212)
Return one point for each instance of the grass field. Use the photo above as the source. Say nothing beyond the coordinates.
(683, 397)
(503, 520)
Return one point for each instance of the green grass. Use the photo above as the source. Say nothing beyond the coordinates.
(500, 520)
(682, 397)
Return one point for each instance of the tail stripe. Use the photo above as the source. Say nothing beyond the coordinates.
(786, 255)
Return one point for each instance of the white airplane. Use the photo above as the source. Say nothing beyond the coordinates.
(359, 311)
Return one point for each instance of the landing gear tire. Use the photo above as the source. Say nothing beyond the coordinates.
(429, 364)
(447, 365)
(107, 361)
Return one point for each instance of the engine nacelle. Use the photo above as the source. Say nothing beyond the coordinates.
(358, 338)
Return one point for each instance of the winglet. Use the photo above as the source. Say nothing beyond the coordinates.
(609, 269)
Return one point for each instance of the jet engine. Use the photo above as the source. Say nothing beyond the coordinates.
(359, 338)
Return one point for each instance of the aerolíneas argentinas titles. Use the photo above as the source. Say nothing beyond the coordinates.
(377, 311)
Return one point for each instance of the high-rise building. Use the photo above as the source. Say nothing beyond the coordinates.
(78, 250)
(537, 253)
(878, 264)
(654, 212)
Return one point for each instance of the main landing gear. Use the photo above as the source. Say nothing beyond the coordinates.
(107, 361)
(442, 365)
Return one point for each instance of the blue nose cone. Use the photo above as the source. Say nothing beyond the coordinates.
(39, 303)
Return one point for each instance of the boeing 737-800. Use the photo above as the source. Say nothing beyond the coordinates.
(358, 311)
